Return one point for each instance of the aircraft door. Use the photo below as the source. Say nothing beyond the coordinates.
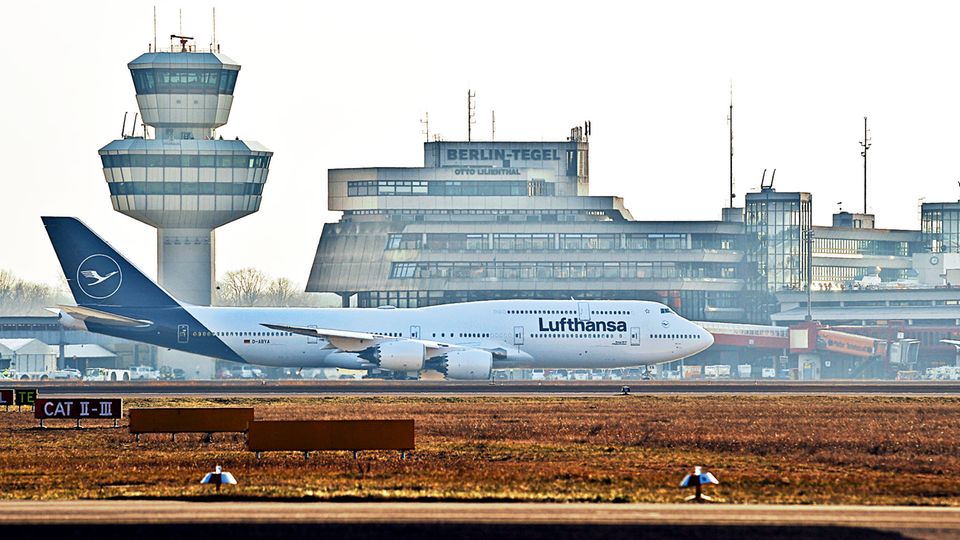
(415, 332)
(583, 311)
(634, 336)
(183, 333)
(518, 335)
(312, 340)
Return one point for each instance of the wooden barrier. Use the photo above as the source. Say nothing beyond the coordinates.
(314, 435)
(208, 420)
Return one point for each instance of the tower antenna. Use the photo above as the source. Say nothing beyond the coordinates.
(154, 28)
(471, 113)
(865, 144)
(426, 124)
(493, 125)
(730, 123)
(213, 46)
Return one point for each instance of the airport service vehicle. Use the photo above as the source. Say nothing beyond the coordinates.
(66, 373)
(62, 374)
(145, 373)
(106, 374)
(461, 341)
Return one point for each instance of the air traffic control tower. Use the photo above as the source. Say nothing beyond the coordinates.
(186, 181)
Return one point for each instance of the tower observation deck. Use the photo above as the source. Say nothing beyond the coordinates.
(186, 182)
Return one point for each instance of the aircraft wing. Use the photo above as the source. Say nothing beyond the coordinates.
(350, 341)
(951, 342)
(102, 317)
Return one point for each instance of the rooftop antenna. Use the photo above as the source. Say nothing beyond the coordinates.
(471, 113)
(587, 130)
(183, 41)
(426, 123)
(865, 144)
(154, 28)
(133, 127)
(493, 125)
(123, 130)
(730, 123)
(213, 46)
(764, 185)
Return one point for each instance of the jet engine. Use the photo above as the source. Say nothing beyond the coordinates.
(401, 355)
(468, 365)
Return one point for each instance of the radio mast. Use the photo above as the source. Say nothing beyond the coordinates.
(730, 124)
(426, 124)
(471, 113)
(865, 144)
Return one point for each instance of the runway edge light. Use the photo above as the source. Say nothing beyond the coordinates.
(218, 477)
(697, 480)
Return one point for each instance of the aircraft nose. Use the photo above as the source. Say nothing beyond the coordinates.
(704, 339)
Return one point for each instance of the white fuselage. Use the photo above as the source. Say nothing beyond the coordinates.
(522, 333)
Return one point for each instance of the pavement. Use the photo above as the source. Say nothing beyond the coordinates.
(267, 388)
(218, 516)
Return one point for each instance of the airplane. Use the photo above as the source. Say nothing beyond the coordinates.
(462, 341)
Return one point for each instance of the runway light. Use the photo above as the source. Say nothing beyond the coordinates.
(696, 480)
(625, 390)
(218, 477)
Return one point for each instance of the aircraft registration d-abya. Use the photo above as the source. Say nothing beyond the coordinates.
(462, 341)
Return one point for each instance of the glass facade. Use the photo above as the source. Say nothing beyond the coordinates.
(940, 227)
(184, 81)
(777, 258)
(185, 188)
(853, 246)
(558, 241)
(533, 271)
(775, 225)
(227, 161)
(456, 188)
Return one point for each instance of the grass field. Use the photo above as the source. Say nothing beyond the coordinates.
(763, 449)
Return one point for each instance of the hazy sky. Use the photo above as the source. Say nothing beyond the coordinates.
(328, 85)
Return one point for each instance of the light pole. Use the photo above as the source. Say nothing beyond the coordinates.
(808, 237)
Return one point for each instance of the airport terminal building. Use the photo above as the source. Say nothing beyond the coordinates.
(489, 220)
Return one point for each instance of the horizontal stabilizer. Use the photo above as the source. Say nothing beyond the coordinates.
(102, 317)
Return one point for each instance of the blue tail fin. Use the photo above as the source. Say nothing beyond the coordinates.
(97, 274)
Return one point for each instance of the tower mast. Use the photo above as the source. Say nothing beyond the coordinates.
(865, 144)
(730, 124)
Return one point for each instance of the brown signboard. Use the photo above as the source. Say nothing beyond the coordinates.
(312, 435)
(190, 420)
(46, 408)
(6, 397)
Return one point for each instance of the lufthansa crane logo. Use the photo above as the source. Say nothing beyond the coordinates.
(99, 276)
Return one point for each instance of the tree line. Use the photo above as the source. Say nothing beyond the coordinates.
(244, 287)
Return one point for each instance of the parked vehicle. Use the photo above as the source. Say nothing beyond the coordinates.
(171, 374)
(147, 373)
(66, 373)
(106, 374)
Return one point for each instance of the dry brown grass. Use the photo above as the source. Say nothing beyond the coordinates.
(797, 449)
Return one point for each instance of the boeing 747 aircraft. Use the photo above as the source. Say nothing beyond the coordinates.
(462, 341)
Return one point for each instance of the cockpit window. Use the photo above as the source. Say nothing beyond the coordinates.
(665, 310)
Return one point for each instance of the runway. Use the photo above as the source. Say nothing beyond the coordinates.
(245, 519)
(267, 388)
